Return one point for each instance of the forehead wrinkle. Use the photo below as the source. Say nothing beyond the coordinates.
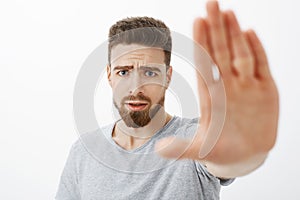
(139, 56)
(135, 59)
(136, 54)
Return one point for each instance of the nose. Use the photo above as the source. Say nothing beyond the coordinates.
(136, 85)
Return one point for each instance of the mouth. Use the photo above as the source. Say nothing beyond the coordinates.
(136, 105)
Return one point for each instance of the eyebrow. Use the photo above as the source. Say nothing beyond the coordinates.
(127, 67)
(122, 67)
(150, 68)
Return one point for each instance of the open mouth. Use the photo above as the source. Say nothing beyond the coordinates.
(136, 105)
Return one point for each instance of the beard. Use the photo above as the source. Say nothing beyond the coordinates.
(137, 119)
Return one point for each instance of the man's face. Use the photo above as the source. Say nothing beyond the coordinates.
(139, 79)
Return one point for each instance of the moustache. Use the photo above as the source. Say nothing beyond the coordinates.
(140, 97)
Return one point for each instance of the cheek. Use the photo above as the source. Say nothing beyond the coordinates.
(155, 93)
(119, 92)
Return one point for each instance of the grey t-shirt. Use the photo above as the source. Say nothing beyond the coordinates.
(97, 168)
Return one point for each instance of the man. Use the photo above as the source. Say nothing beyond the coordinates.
(139, 73)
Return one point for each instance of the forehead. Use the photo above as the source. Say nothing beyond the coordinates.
(135, 53)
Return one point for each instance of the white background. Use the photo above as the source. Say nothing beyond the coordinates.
(42, 47)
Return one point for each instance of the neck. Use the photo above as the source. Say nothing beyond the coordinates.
(130, 138)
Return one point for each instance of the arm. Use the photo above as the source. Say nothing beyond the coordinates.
(251, 106)
(68, 185)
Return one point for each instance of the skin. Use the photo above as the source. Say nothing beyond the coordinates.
(137, 69)
(252, 105)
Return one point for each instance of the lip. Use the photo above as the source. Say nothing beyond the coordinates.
(136, 102)
(136, 105)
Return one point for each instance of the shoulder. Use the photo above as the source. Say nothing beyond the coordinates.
(185, 127)
(90, 140)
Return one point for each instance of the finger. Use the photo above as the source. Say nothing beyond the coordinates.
(203, 67)
(200, 33)
(218, 38)
(243, 60)
(261, 62)
(194, 148)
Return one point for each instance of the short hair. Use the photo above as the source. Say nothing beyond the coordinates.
(145, 31)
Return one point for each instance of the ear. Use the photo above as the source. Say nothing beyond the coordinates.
(169, 76)
(108, 71)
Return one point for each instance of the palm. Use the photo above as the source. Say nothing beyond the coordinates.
(251, 119)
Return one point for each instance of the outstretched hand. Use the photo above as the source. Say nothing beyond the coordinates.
(251, 120)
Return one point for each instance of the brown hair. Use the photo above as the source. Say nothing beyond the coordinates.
(141, 30)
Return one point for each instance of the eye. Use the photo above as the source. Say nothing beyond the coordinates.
(150, 73)
(123, 72)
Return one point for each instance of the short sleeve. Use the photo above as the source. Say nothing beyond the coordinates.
(202, 170)
(226, 182)
(68, 186)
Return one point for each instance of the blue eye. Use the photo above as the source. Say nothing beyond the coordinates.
(150, 73)
(123, 72)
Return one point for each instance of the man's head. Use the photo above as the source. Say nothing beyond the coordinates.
(139, 69)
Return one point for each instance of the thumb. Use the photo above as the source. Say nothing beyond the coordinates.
(174, 147)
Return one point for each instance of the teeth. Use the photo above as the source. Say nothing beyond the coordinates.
(137, 104)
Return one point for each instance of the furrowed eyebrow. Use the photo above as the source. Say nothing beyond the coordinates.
(127, 67)
(150, 68)
(122, 68)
